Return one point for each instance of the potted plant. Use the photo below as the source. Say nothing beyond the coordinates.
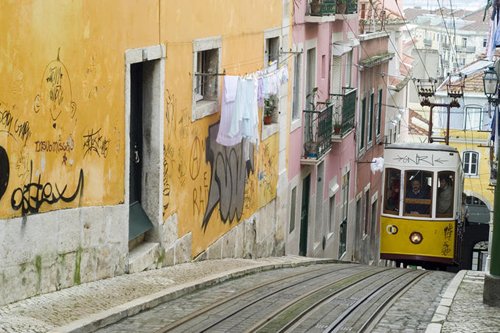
(337, 123)
(341, 6)
(337, 128)
(315, 7)
(269, 107)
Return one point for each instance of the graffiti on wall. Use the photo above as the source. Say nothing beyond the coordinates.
(12, 125)
(230, 167)
(94, 142)
(4, 171)
(168, 160)
(30, 197)
(55, 92)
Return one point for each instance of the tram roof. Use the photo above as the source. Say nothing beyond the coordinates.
(421, 146)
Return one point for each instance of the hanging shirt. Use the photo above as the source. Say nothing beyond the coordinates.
(226, 113)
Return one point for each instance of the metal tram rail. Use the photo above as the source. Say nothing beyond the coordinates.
(319, 300)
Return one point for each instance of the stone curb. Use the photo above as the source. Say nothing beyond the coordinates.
(110, 316)
(444, 305)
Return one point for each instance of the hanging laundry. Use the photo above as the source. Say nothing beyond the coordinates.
(230, 85)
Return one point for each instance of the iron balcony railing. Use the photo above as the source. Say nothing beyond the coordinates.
(318, 130)
(351, 6)
(344, 111)
(322, 7)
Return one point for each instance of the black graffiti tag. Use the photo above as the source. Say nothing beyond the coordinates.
(4, 171)
(30, 197)
(230, 170)
(95, 142)
(419, 159)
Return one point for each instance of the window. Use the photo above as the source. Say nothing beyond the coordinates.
(445, 193)
(418, 193)
(292, 209)
(476, 119)
(206, 67)
(464, 42)
(379, 113)
(297, 80)
(370, 118)
(484, 42)
(392, 191)
(271, 56)
(362, 124)
(272, 50)
(470, 163)
(348, 69)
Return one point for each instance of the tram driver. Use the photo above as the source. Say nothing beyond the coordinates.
(417, 192)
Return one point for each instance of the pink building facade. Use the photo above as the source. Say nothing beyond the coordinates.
(322, 147)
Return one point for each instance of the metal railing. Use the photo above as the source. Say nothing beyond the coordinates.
(318, 131)
(351, 6)
(322, 7)
(344, 111)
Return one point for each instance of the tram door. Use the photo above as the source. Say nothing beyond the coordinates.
(304, 216)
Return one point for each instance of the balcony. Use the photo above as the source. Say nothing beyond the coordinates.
(466, 49)
(347, 7)
(317, 133)
(344, 111)
(320, 11)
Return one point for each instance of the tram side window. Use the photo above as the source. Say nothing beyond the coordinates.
(418, 192)
(392, 191)
(444, 200)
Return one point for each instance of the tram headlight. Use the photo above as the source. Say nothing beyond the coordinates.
(416, 237)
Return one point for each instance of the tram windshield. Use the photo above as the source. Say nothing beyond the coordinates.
(444, 200)
(418, 193)
(392, 191)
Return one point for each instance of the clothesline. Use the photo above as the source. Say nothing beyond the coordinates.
(242, 96)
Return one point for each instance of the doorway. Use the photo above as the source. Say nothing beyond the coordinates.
(304, 216)
(144, 147)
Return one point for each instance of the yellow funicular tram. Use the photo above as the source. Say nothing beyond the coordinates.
(421, 220)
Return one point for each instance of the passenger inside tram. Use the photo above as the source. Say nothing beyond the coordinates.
(445, 196)
(415, 192)
(393, 191)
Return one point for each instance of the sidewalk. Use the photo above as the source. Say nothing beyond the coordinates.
(462, 310)
(89, 306)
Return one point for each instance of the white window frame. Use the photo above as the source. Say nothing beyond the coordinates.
(471, 152)
(202, 108)
(268, 130)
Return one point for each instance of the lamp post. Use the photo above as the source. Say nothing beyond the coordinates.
(491, 291)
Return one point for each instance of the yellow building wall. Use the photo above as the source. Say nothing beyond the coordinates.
(62, 100)
(477, 141)
(191, 188)
(62, 106)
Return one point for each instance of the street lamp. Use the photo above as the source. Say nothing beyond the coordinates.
(490, 83)
(491, 291)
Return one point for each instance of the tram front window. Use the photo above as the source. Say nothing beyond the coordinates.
(418, 192)
(392, 191)
(444, 201)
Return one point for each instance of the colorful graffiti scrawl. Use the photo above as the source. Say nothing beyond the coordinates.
(230, 167)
